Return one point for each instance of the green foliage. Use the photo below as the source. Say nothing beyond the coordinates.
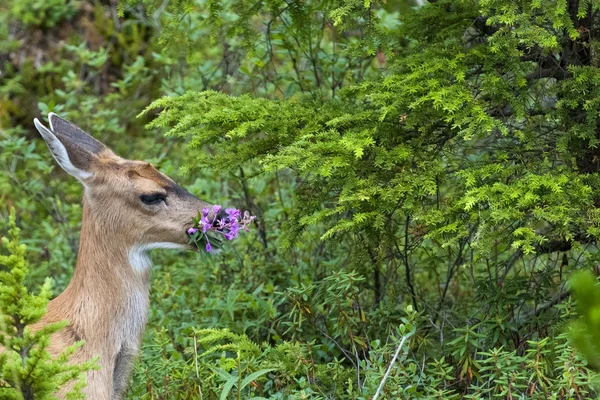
(460, 163)
(26, 368)
(584, 330)
(44, 13)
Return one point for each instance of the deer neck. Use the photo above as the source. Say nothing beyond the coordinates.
(108, 256)
(107, 292)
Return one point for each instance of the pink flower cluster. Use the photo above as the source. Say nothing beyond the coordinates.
(229, 226)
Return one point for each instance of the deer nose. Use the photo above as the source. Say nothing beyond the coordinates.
(221, 215)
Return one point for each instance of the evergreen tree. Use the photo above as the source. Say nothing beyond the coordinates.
(480, 139)
(26, 369)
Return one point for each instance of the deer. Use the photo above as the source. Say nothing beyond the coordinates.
(129, 208)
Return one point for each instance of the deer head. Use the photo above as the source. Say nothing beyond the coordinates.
(132, 201)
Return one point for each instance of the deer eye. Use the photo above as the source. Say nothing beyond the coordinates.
(152, 199)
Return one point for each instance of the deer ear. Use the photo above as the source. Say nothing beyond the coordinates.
(71, 147)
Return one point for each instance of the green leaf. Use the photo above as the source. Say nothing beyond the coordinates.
(228, 386)
(255, 375)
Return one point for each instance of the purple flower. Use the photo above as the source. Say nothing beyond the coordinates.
(206, 225)
(233, 212)
(229, 226)
(234, 227)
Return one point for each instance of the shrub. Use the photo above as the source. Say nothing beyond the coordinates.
(27, 370)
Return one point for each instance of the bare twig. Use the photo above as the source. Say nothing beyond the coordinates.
(539, 309)
(196, 362)
(389, 368)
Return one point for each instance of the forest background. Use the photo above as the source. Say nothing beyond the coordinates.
(422, 173)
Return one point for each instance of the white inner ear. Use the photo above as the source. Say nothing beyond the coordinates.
(138, 255)
(59, 152)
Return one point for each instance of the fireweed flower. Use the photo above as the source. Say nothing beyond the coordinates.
(228, 226)
(205, 224)
(233, 212)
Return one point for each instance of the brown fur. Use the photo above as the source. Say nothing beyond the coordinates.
(106, 301)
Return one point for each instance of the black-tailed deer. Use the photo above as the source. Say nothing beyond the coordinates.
(129, 207)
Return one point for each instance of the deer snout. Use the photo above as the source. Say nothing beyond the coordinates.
(221, 215)
(208, 211)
